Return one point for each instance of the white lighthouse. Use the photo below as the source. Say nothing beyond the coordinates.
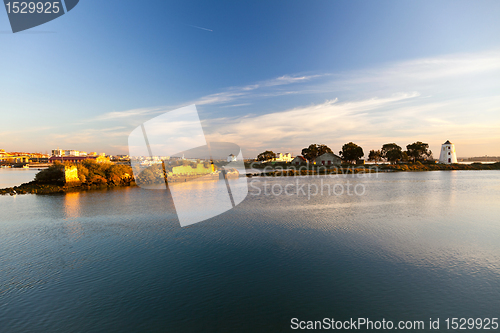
(448, 154)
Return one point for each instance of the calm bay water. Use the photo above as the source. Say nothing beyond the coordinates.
(10, 177)
(415, 246)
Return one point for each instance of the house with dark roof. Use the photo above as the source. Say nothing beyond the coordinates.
(328, 159)
(298, 160)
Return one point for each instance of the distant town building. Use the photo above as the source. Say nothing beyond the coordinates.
(448, 153)
(71, 152)
(57, 152)
(328, 159)
(298, 160)
(21, 157)
(120, 158)
(485, 158)
(39, 158)
(232, 158)
(78, 159)
(15, 159)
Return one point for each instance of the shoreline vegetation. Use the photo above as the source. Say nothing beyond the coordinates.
(70, 177)
(90, 175)
(280, 169)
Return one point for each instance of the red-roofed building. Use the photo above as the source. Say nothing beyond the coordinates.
(299, 160)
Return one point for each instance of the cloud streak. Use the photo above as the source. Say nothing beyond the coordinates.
(255, 90)
(117, 115)
(197, 27)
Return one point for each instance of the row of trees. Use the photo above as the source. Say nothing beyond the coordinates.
(351, 152)
(268, 155)
(391, 152)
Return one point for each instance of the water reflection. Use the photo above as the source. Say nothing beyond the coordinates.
(71, 205)
(414, 246)
(199, 200)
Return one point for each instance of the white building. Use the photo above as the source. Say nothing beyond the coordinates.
(57, 152)
(232, 158)
(286, 157)
(448, 154)
(71, 152)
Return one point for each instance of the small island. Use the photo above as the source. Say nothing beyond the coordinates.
(70, 177)
(90, 175)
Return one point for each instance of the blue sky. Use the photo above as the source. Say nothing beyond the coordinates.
(269, 75)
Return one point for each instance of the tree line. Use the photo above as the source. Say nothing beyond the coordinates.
(391, 152)
(351, 152)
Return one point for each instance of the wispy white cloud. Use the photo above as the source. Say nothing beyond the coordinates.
(287, 79)
(236, 105)
(437, 72)
(260, 89)
(117, 115)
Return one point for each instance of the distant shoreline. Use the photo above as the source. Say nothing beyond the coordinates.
(276, 170)
(283, 169)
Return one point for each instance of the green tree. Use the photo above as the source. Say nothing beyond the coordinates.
(314, 150)
(375, 155)
(418, 151)
(53, 174)
(151, 175)
(391, 152)
(404, 157)
(351, 152)
(266, 156)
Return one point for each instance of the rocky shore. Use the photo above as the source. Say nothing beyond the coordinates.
(61, 178)
(34, 187)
